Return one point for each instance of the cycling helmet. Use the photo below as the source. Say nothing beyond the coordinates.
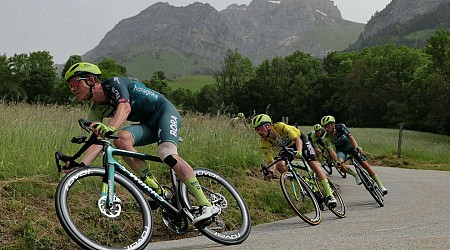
(260, 120)
(80, 69)
(241, 115)
(317, 127)
(327, 120)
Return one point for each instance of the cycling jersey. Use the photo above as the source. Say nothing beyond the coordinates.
(159, 119)
(285, 136)
(340, 142)
(317, 141)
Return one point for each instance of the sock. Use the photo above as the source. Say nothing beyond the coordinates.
(350, 172)
(195, 188)
(375, 178)
(149, 179)
(326, 186)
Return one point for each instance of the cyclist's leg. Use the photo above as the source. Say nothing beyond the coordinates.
(341, 156)
(168, 130)
(131, 136)
(138, 135)
(310, 157)
(371, 172)
(281, 167)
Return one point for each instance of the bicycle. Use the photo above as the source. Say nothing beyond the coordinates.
(328, 164)
(105, 207)
(304, 193)
(368, 182)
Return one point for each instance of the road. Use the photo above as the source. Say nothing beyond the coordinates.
(415, 216)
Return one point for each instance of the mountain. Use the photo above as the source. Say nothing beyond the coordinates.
(408, 22)
(195, 38)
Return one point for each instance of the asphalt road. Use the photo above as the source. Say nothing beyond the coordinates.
(415, 216)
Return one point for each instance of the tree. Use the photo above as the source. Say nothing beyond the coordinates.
(439, 48)
(42, 77)
(236, 70)
(110, 68)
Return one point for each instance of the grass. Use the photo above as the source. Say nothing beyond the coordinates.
(192, 82)
(28, 176)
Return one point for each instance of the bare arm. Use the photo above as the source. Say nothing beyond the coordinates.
(123, 110)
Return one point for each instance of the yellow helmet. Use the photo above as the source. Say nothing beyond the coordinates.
(317, 127)
(80, 69)
(327, 120)
(241, 115)
(260, 120)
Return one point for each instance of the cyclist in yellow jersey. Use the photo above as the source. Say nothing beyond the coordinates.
(280, 134)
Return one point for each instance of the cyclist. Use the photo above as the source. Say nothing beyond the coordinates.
(281, 134)
(315, 136)
(338, 137)
(159, 122)
(239, 118)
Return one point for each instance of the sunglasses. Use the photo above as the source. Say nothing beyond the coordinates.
(260, 128)
(75, 82)
(328, 125)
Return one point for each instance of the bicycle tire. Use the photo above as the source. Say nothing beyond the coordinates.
(304, 205)
(340, 209)
(342, 173)
(77, 210)
(233, 224)
(369, 183)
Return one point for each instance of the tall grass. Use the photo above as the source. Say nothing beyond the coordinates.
(30, 134)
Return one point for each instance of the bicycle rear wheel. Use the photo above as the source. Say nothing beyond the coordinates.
(301, 198)
(369, 183)
(76, 201)
(233, 224)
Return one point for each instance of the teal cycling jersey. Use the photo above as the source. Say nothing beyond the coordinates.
(159, 119)
(144, 101)
(341, 137)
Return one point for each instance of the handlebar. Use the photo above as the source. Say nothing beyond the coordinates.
(85, 125)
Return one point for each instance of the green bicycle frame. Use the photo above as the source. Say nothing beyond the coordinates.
(111, 165)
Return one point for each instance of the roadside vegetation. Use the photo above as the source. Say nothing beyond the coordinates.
(32, 133)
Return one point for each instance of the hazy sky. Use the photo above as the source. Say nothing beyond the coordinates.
(66, 28)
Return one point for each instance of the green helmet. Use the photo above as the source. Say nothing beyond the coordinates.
(327, 120)
(260, 120)
(80, 69)
(240, 114)
(317, 127)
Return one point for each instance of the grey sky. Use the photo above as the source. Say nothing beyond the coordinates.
(30, 25)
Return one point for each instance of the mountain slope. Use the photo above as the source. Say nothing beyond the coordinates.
(195, 38)
(405, 22)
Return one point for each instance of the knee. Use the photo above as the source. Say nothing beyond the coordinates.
(125, 140)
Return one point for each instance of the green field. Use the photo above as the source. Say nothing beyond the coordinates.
(28, 176)
(192, 82)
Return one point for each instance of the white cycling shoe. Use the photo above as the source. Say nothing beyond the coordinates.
(207, 212)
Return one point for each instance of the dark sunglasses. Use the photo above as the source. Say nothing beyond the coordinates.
(75, 82)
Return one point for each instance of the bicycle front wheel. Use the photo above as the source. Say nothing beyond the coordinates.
(339, 210)
(128, 225)
(301, 198)
(339, 170)
(369, 183)
(327, 167)
(233, 224)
